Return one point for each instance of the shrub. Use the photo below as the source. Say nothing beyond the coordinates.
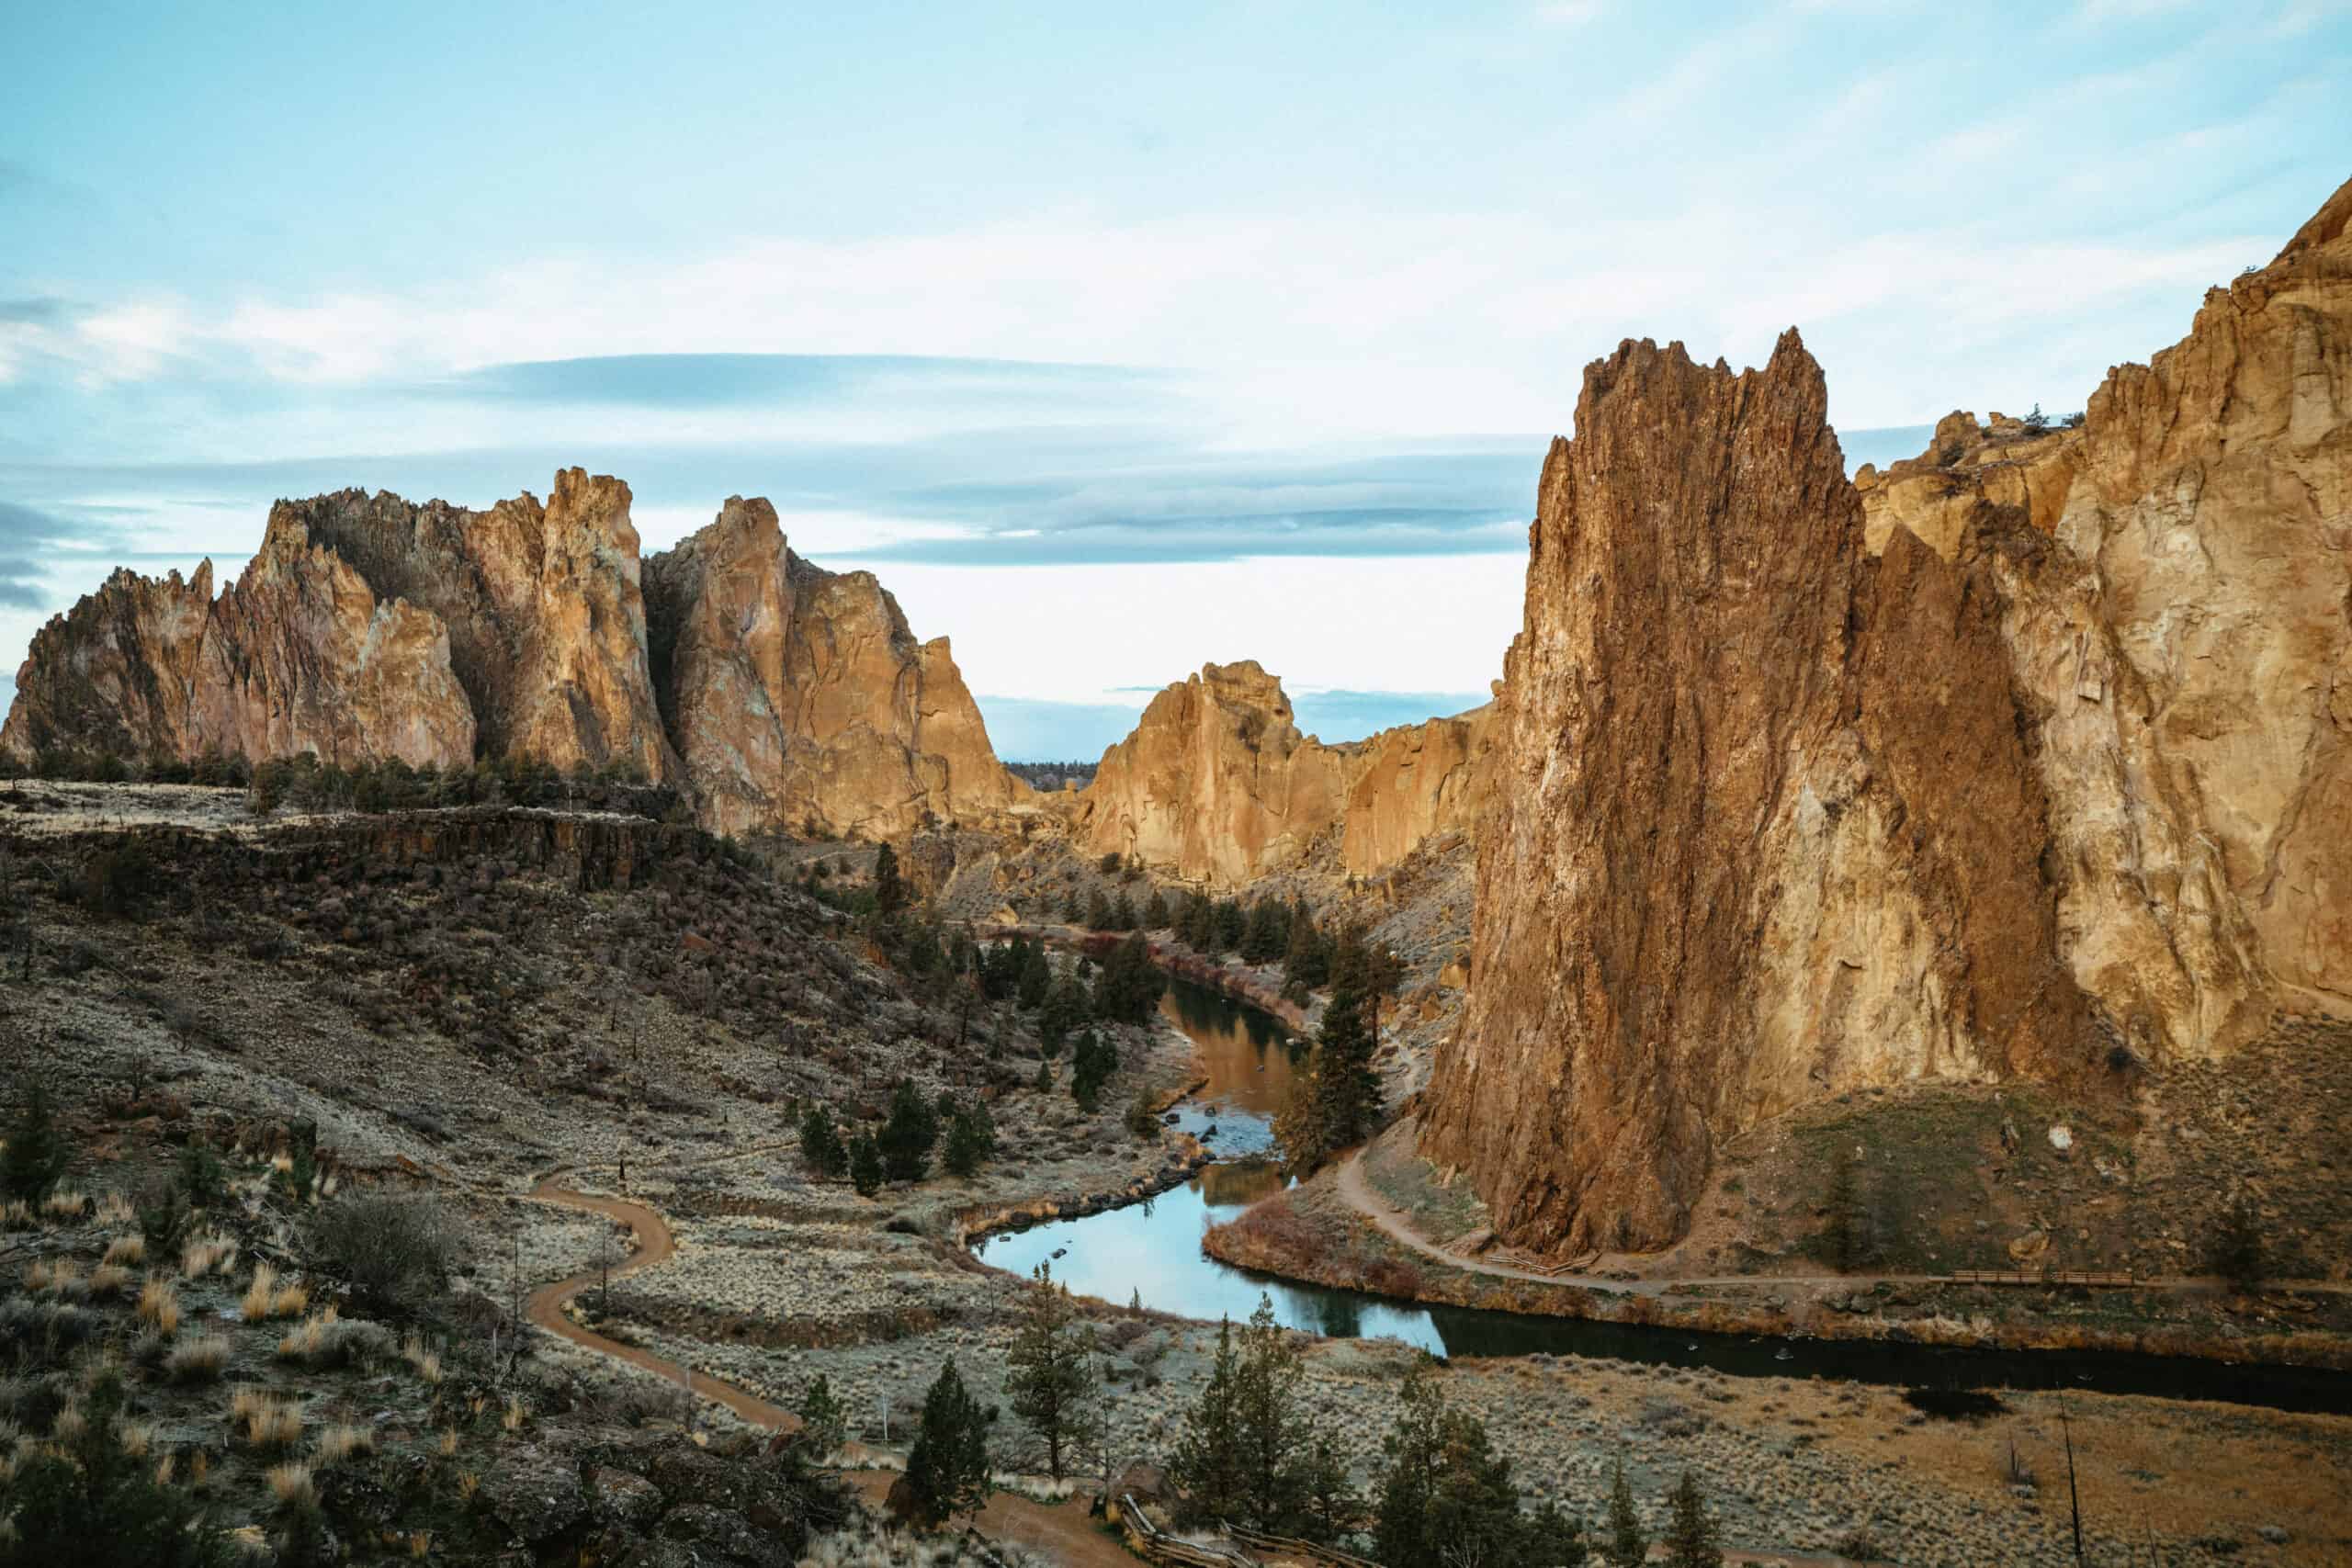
(97, 1506)
(268, 1423)
(36, 1153)
(199, 1358)
(394, 1253)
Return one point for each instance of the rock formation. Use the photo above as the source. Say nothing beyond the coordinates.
(367, 628)
(545, 614)
(299, 656)
(2025, 758)
(798, 695)
(1217, 785)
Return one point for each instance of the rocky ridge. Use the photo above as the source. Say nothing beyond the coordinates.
(369, 628)
(1217, 785)
(2025, 758)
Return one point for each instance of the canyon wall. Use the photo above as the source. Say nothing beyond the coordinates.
(1216, 785)
(774, 693)
(2024, 758)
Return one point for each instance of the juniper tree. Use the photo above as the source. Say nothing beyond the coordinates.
(889, 891)
(1155, 911)
(36, 1156)
(1627, 1547)
(1273, 1436)
(948, 1469)
(971, 1138)
(1050, 1385)
(1337, 1100)
(1691, 1536)
(824, 1419)
(1446, 1495)
(1207, 1464)
(865, 1165)
(909, 1134)
(821, 1144)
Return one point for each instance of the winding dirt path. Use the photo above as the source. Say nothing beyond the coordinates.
(1358, 1194)
(1063, 1533)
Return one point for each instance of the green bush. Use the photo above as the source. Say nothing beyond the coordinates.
(393, 1252)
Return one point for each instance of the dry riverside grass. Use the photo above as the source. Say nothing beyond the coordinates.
(291, 1485)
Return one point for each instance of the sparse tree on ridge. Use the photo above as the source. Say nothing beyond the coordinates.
(1050, 1385)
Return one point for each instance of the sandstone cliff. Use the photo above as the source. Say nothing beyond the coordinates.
(299, 656)
(1217, 785)
(800, 695)
(546, 618)
(368, 628)
(2027, 758)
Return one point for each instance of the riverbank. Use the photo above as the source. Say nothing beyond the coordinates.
(1336, 1233)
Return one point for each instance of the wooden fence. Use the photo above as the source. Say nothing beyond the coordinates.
(1290, 1547)
(1166, 1547)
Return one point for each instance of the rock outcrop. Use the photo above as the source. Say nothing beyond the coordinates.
(298, 656)
(367, 627)
(1216, 785)
(545, 614)
(2025, 758)
(799, 696)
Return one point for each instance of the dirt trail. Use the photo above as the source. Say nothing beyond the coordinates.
(1357, 1192)
(1064, 1534)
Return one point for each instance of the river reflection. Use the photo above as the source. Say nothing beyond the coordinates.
(1152, 1250)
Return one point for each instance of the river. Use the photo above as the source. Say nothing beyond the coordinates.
(1151, 1250)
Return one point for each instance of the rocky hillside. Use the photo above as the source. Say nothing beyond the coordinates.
(1217, 785)
(369, 628)
(2027, 760)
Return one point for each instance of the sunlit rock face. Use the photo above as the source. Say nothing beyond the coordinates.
(368, 628)
(800, 696)
(1215, 785)
(2016, 754)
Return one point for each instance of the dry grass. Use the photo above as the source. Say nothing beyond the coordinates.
(468, 1484)
(450, 1444)
(116, 1209)
(166, 1468)
(110, 1280)
(254, 1304)
(159, 1303)
(206, 1253)
(63, 1206)
(137, 1437)
(127, 1251)
(288, 1300)
(338, 1443)
(59, 1277)
(513, 1420)
(427, 1362)
(18, 1215)
(198, 1359)
(420, 1544)
(268, 1423)
(291, 1485)
(71, 1426)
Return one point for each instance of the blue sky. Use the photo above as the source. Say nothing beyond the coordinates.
(1116, 338)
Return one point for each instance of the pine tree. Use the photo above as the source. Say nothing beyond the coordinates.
(889, 891)
(821, 1146)
(36, 1156)
(1264, 938)
(948, 1469)
(1064, 1010)
(1307, 958)
(1036, 977)
(1337, 1102)
(1446, 1495)
(824, 1419)
(1122, 912)
(865, 1165)
(1690, 1537)
(1050, 1386)
(1273, 1435)
(1090, 1067)
(1328, 1504)
(1072, 911)
(1551, 1538)
(1627, 1547)
(1044, 1083)
(1155, 913)
(1098, 911)
(971, 1138)
(1206, 1465)
(910, 1134)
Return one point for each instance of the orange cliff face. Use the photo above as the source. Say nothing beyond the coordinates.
(368, 629)
(1215, 785)
(2021, 760)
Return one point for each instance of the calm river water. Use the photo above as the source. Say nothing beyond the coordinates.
(1152, 1250)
